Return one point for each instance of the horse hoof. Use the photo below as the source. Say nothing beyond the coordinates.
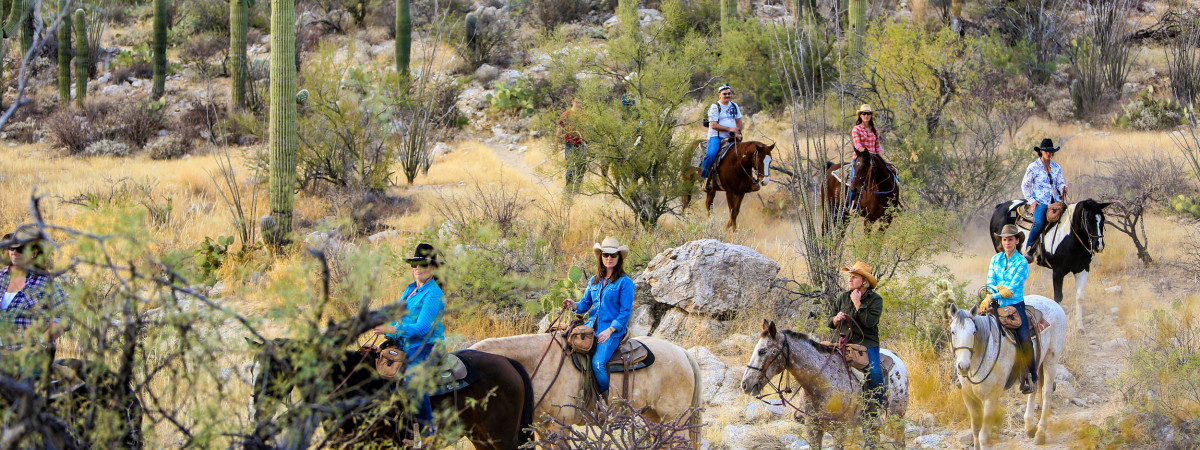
(1031, 432)
(1040, 439)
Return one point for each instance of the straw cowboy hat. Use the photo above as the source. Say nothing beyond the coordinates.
(863, 270)
(1047, 146)
(425, 253)
(1012, 230)
(864, 108)
(610, 245)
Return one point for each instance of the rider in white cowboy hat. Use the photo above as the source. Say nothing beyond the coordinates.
(1006, 276)
(724, 123)
(609, 298)
(864, 135)
(855, 314)
(1043, 184)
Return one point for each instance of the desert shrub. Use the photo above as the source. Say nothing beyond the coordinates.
(620, 425)
(1135, 183)
(1183, 63)
(1101, 57)
(200, 17)
(552, 13)
(681, 17)
(1148, 113)
(747, 44)
(107, 147)
(1161, 382)
(203, 50)
(491, 42)
(1036, 27)
(914, 309)
(27, 130)
(135, 123)
(169, 147)
(514, 98)
(70, 131)
(202, 119)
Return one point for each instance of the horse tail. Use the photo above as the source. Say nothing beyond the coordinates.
(525, 434)
(697, 419)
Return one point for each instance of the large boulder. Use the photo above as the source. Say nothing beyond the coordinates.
(722, 384)
(710, 277)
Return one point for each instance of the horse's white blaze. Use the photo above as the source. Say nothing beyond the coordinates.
(766, 169)
(1099, 233)
(962, 336)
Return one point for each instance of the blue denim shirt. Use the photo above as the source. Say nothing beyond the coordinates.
(1010, 272)
(423, 323)
(613, 305)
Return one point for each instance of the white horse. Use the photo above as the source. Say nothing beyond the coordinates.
(984, 360)
(668, 388)
(832, 394)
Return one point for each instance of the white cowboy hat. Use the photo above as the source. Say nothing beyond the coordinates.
(864, 108)
(610, 245)
(863, 270)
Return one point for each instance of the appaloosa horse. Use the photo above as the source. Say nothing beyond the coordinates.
(745, 168)
(985, 363)
(878, 191)
(833, 392)
(495, 409)
(1067, 246)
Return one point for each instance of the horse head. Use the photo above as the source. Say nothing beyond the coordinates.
(1089, 218)
(271, 374)
(963, 336)
(767, 360)
(760, 161)
(862, 169)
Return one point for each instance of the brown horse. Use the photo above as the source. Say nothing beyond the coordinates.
(744, 169)
(877, 186)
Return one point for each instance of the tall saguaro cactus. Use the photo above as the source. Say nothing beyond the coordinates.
(284, 141)
(64, 57)
(27, 25)
(403, 36)
(14, 17)
(729, 11)
(82, 57)
(160, 49)
(238, 10)
(858, 25)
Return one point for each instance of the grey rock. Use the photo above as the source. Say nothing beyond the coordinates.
(1079, 402)
(710, 277)
(736, 436)
(910, 428)
(486, 73)
(799, 445)
(679, 326)
(755, 411)
(641, 321)
(966, 438)
(771, 11)
(441, 148)
(928, 420)
(721, 383)
(1113, 290)
(930, 441)
(1115, 311)
(1063, 374)
(383, 236)
(1114, 344)
(1065, 389)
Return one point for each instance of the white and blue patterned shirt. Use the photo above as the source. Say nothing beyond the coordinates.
(1040, 187)
(1010, 272)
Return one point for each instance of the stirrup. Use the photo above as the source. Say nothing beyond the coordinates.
(1027, 386)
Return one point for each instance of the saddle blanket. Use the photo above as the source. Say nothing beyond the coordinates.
(632, 351)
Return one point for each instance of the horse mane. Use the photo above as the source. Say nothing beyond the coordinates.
(795, 335)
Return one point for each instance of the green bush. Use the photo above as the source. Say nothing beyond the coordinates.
(1147, 113)
(513, 97)
(211, 255)
(683, 17)
(748, 60)
(1186, 205)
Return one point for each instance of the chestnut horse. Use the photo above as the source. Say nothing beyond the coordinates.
(878, 191)
(744, 169)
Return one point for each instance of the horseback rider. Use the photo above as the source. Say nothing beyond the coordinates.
(1043, 184)
(28, 310)
(1006, 276)
(855, 315)
(865, 135)
(724, 123)
(608, 300)
(420, 330)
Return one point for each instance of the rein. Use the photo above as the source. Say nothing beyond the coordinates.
(366, 351)
(983, 355)
(783, 375)
(895, 184)
(561, 361)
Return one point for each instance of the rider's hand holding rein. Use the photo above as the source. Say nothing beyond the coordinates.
(569, 304)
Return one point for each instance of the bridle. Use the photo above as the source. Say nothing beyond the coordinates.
(971, 350)
(779, 390)
(754, 172)
(1092, 238)
(871, 182)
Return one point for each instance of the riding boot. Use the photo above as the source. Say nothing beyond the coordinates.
(1032, 251)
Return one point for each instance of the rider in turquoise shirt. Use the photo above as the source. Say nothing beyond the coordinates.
(1006, 276)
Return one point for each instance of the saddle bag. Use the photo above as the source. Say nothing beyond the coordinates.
(855, 355)
(390, 363)
(1054, 212)
(581, 339)
(1009, 317)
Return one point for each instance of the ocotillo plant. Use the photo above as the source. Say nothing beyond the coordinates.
(82, 58)
(284, 141)
(160, 49)
(64, 58)
(403, 36)
(238, 24)
(858, 25)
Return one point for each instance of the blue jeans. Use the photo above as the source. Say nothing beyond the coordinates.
(877, 389)
(1026, 345)
(600, 359)
(1039, 222)
(714, 147)
(424, 415)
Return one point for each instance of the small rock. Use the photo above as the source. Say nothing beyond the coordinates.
(383, 236)
(736, 434)
(162, 132)
(1113, 290)
(1079, 402)
(771, 11)
(755, 411)
(512, 147)
(930, 441)
(1093, 398)
(441, 148)
(788, 439)
(1065, 389)
(928, 420)
(1114, 344)
(966, 438)
(486, 73)
(1115, 311)
(135, 83)
(911, 428)
(1063, 374)
(799, 445)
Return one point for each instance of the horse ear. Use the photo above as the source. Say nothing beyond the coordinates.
(771, 330)
(766, 324)
(949, 310)
(1103, 205)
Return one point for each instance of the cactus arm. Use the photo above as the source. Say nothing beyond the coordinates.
(238, 24)
(64, 56)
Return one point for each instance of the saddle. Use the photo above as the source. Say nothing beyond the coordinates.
(631, 355)
(454, 373)
(856, 356)
(714, 178)
(1011, 320)
(1024, 212)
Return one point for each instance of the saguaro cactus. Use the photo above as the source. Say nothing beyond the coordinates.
(160, 49)
(403, 36)
(728, 12)
(14, 17)
(857, 25)
(284, 141)
(64, 57)
(238, 10)
(27, 25)
(82, 56)
(470, 32)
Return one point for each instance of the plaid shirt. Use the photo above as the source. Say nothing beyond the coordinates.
(31, 304)
(864, 139)
(1010, 272)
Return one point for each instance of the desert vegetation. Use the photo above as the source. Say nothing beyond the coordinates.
(213, 175)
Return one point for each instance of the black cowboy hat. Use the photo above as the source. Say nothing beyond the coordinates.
(425, 253)
(1047, 146)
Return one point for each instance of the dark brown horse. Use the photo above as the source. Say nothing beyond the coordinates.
(744, 169)
(496, 410)
(878, 191)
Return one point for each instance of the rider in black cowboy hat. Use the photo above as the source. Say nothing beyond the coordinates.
(1043, 184)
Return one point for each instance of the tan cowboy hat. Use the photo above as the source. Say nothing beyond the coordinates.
(864, 108)
(1012, 230)
(863, 270)
(610, 245)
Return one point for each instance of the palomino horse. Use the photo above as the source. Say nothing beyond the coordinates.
(1068, 245)
(878, 191)
(985, 363)
(745, 167)
(833, 393)
(668, 388)
(496, 409)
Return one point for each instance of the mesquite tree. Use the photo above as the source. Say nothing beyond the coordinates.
(160, 49)
(64, 58)
(81, 57)
(1134, 183)
(238, 29)
(283, 140)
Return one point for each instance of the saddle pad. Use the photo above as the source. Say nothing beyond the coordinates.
(455, 372)
(639, 356)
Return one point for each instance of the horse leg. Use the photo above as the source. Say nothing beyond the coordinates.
(992, 418)
(1080, 281)
(1031, 423)
(1059, 274)
(735, 205)
(975, 411)
(709, 200)
(1045, 391)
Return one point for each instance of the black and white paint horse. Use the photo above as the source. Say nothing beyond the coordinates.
(1067, 246)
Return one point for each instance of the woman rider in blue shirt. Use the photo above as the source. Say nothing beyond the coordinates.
(420, 330)
(1006, 276)
(609, 298)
